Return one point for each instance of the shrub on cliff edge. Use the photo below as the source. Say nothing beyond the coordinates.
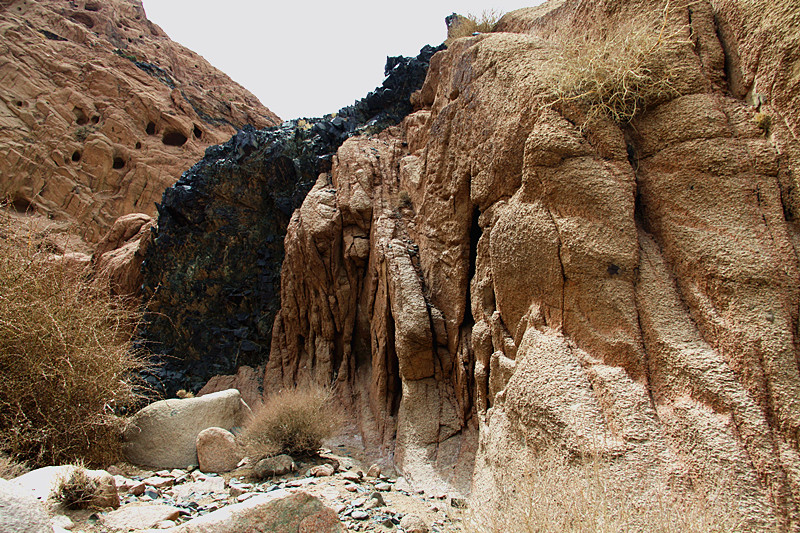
(619, 71)
(294, 421)
(66, 359)
(464, 26)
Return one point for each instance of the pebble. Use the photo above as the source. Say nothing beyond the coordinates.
(383, 487)
(359, 515)
(159, 482)
(350, 487)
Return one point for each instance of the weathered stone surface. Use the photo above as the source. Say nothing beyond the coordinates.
(276, 512)
(217, 450)
(627, 289)
(139, 516)
(164, 434)
(247, 381)
(119, 254)
(212, 274)
(20, 511)
(43, 483)
(100, 111)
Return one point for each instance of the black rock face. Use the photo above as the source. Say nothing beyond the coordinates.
(212, 275)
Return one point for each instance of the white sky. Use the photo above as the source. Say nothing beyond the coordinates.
(307, 58)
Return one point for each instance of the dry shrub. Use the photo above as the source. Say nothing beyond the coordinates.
(556, 495)
(294, 422)
(618, 71)
(66, 357)
(77, 490)
(9, 468)
(464, 26)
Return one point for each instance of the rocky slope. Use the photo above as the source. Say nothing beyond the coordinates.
(100, 111)
(506, 271)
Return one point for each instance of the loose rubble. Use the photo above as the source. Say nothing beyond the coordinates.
(173, 499)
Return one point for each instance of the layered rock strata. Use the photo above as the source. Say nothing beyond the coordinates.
(100, 111)
(521, 270)
(212, 273)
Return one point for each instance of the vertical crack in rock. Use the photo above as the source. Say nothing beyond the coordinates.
(212, 276)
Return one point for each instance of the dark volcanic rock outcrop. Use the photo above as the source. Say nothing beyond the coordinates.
(100, 111)
(212, 274)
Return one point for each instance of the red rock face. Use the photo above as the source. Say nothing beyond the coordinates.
(100, 111)
(520, 274)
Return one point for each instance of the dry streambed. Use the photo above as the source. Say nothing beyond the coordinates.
(362, 499)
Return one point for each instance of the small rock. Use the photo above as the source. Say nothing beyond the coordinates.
(159, 482)
(302, 482)
(339, 508)
(350, 487)
(217, 450)
(358, 502)
(374, 471)
(322, 471)
(413, 524)
(352, 476)
(378, 497)
(64, 522)
(274, 466)
(383, 487)
(359, 515)
(137, 489)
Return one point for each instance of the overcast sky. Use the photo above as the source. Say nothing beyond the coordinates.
(308, 58)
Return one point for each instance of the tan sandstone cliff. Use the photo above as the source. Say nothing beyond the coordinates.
(100, 111)
(503, 273)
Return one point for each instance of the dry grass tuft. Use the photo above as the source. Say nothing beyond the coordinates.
(619, 71)
(9, 468)
(76, 491)
(464, 26)
(556, 495)
(66, 357)
(294, 422)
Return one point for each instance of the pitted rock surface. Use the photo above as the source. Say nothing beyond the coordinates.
(100, 111)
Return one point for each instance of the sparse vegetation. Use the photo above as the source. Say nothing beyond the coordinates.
(404, 200)
(122, 53)
(557, 495)
(465, 26)
(66, 356)
(78, 490)
(618, 71)
(763, 121)
(83, 132)
(9, 468)
(294, 421)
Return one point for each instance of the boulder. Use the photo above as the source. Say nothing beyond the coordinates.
(164, 434)
(21, 511)
(274, 466)
(276, 512)
(43, 483)
(217, 450)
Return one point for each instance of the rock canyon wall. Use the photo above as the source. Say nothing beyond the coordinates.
(100, 111)
(507, 270)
